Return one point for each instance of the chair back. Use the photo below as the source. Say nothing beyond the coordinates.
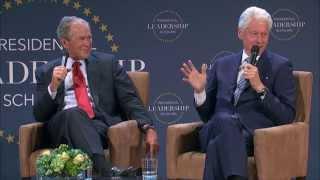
(141, 82)
(303, 95)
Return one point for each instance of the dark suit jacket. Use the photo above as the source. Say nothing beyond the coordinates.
(113, 92)
(276, 109)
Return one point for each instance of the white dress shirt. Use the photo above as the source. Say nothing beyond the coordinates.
(70, 98)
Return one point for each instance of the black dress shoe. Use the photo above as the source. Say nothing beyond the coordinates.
(128, 172)
(235, 177)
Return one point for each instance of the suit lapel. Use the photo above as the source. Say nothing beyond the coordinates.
(264, 67)
(91, 68)
(233, 67)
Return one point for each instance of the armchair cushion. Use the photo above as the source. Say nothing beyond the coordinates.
(279, 147)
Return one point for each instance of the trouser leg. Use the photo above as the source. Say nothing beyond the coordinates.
(225, 146)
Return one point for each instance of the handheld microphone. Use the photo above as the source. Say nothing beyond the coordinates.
(66, 59)
(254, 54)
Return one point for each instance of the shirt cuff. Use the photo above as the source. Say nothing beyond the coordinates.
(145, 127)
(200, 98)
(52, 94)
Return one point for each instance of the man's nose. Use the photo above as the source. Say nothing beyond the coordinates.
(259, 39)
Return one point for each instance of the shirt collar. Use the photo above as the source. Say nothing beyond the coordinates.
(70, 61)
(245, 56)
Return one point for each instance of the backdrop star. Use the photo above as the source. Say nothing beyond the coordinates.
(1, 133)
(18, 2)
(109, 37)
(10, 138)
(76, 5)
(7, 5)
(114, 48)
(66, 2)
(103, 28)
(96, 19)
(87, 11)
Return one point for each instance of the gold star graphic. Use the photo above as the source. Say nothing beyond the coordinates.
(114, 48)
(18, 2)
(1, 133)
(7, 5)
(76, 5)
(66, 2)
(109, 37)
(103, 28)
(96, 19)
(87, 11)
(10, 139)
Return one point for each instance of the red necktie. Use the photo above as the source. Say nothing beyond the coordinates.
(80, 89)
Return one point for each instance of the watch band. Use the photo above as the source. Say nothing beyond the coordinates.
(263, 93)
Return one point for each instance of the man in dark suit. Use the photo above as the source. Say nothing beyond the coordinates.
(81, 95)
(239, 97)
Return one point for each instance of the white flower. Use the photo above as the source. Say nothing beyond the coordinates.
(45, 152)
(78, 159)
(65, 156)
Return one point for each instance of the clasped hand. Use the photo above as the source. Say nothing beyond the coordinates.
(251, 73)
(58, 75)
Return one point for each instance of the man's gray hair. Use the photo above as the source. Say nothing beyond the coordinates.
(63, 29)
(254, 13)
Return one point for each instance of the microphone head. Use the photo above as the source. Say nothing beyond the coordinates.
(255, 50)
(254, 54)
(65, 59)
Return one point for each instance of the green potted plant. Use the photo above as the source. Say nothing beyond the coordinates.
(63, 163)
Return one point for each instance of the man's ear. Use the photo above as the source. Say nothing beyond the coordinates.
(64, 43)
(240, 34)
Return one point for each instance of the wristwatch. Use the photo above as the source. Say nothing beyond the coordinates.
(262, 93)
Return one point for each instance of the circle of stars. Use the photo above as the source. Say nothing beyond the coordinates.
(75, 4)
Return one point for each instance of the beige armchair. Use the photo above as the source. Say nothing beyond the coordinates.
(280, 152)
(125, 149)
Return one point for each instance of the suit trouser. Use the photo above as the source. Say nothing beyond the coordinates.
(227, 145)
(73, 127)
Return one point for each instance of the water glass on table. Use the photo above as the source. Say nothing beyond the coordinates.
(149, 168)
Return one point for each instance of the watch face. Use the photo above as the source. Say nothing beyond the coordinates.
(263, 93)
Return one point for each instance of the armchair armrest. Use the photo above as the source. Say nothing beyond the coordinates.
(180, 138)
(30, 138)
(283, 147)
(126, 144)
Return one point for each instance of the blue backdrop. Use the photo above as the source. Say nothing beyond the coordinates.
(137, 32)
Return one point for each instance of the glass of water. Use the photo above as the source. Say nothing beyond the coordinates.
(149, 168)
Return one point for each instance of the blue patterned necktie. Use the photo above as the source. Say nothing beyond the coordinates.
(241, 85)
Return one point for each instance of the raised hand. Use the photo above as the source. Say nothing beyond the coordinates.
(196, 79)
(58, 75)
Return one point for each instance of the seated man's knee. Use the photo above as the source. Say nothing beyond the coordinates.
(224, 122)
